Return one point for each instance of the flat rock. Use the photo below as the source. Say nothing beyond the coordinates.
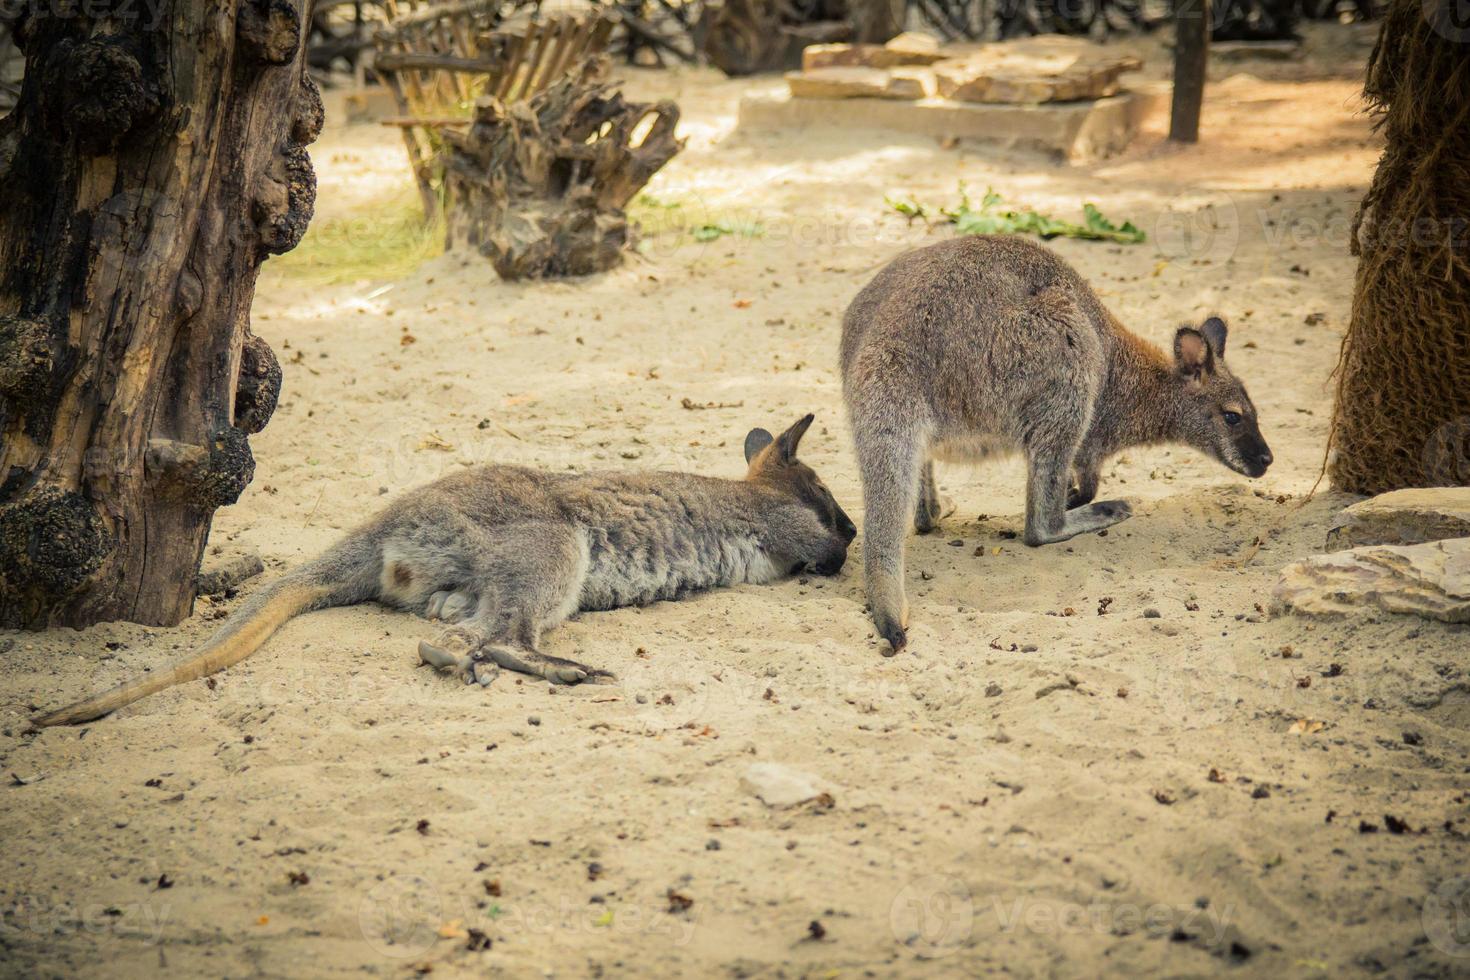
(858, 83)
(1403, 517)
(907, 49)
(780, 786)
(1428, 580)
(219, 574)
(1034, 70)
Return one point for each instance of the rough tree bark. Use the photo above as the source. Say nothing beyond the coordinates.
(155, 158)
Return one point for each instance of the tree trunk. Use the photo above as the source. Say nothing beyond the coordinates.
(1403, 400)
(155, 158)
(1191, 54)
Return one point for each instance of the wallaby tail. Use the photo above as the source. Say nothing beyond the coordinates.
(317, 585)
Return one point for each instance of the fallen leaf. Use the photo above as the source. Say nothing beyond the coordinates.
(1306, 726)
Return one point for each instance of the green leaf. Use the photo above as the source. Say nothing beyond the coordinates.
(992, 219)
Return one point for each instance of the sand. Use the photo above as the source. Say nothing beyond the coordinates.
(1097, 757)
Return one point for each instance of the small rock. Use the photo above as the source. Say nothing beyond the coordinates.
(992, 690)
(1403, 517)
(780, 786)
(1429, 580)
(1152, 613)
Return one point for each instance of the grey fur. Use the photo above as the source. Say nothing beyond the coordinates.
(990, 344)
(505, 553)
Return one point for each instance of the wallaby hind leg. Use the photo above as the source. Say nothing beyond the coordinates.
(889, 462)
(530, 579)
(1047, 518)
(931, 506)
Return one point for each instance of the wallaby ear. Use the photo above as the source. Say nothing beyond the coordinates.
(757, 440)
(1215, 332)
(1192, 354)
(791, 438)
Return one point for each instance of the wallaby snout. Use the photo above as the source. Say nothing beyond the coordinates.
(773, 464)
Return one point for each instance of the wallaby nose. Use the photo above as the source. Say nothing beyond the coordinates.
(1267, 459)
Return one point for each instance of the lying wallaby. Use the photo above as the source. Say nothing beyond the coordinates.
(987, 344)
(508, 552)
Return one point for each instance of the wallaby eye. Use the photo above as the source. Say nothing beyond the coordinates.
(1231, 418)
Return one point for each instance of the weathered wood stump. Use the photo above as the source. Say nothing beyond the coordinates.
(744, 37)
(539, 186)
(156, 156)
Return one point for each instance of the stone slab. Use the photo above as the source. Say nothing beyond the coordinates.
(1044, 72)
(1073, 131)
(1427, 580)
(906, 49)
(1403, 517)
(857, 83)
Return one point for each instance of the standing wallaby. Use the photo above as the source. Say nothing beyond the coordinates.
(507, 552)
(990, 344)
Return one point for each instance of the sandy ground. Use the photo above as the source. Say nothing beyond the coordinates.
(1035, 788)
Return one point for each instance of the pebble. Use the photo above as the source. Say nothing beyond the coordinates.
(1152, 613)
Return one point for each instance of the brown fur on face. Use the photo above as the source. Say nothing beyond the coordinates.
(1217, 416)
(773, 463)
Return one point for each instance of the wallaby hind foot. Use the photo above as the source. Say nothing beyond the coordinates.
(1082, 520)
(473, 655)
